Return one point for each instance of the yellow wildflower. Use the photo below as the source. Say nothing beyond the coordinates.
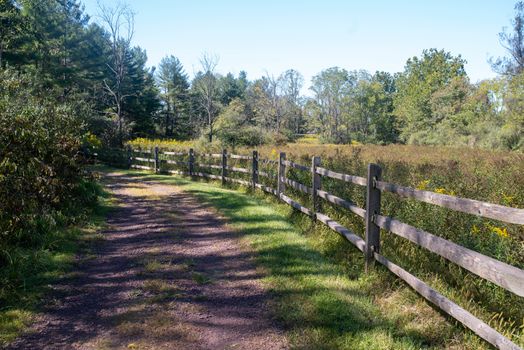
(442, 190)
(508, 200)
(422, 185)
(475, 230)
(502, 232)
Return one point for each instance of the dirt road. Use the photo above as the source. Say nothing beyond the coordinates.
(168, 274)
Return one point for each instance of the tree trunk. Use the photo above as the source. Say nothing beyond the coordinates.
(167, 120)
(210, 124)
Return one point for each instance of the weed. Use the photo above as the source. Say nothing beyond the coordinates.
(200, 278)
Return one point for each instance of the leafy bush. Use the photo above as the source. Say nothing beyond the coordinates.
(41, 172)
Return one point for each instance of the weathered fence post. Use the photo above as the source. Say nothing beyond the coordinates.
(372, 209)
(281, 174)
(191, 162)
(224, 166)
(157, 163)
(254, 169)
(315, 180)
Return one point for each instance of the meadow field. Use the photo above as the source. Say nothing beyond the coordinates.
(494, 177)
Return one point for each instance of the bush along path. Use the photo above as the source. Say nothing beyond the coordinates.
(168, 275)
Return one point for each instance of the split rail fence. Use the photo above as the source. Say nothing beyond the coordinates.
(504, 275)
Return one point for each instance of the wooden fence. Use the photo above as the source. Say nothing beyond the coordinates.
(506, 276)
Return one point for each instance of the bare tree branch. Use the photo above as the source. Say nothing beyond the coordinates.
(120, 24)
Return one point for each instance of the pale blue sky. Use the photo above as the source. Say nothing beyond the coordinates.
(309, 36)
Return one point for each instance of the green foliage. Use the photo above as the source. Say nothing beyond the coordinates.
(353, 106)
(232, 88)
(143, 101)
(25, 280)
(174, 87)
(512, 132)
(41, 169)
(54, 40)
(431, 102)
(234, 130)
(481, 175)
(331, 87)
(423, 77)
(512, 42)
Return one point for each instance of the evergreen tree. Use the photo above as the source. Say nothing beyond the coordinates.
(174, 95)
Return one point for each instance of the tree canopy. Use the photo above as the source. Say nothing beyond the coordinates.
(432, 101)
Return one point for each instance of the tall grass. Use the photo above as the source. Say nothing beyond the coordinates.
(495, 177)
(320, 302)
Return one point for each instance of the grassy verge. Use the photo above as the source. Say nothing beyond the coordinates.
(324, 303)
(27, 278)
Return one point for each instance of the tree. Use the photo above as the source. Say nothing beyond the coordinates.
(53, 42)
(371, 106)
(119, 21)
(234, 127)
(513, 42)
(11, 26)
(174, 85)
(383, 126)
(206, 87)
(142, 102)
(291, 82)
(268, 104)
(231, 88)
(330, 88)
(421, 78)
(512, 131)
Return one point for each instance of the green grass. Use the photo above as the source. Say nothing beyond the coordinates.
(26, 279)
(200, 278)
(321, 302)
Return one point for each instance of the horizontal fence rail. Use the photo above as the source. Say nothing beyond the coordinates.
(143, 159)
(357, 180)
(212, 166)
(504, 275)
(209, 155)
(239, 170)
(481, 328)
(342, 202)
(169, 161)
(298, 186)
(236, 156)
(297, 166)
(266, 174)
(469, 206)
(174, 153)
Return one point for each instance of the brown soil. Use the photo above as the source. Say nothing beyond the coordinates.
(168, 275)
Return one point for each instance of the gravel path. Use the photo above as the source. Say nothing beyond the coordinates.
(168, 275)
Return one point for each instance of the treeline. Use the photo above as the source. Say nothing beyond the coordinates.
(94, 63)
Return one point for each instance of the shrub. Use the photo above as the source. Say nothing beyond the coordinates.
(41, 171)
